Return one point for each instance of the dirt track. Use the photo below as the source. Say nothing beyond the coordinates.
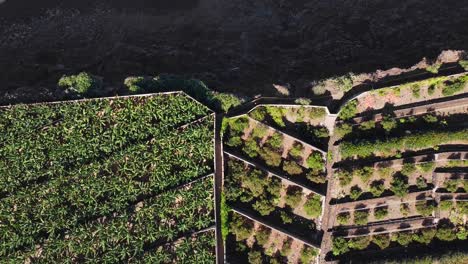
(233, 45)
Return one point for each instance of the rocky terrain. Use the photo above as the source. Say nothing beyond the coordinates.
(233, 45)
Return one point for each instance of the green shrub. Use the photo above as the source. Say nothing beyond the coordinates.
(275, 141)
(434, 68)
(455, 86)
(342, 130)
(315, 161)
(264, 206)
(316, 177)
(258, 113)
(238, 125)
(235, 141)
(262, 235)
(421, 182)
(226, 101)
(259, 131)
(430, 118)
(367, 125)
(224, 217)
(81, 84)
(388, 123)
(277, 114)
(416, 90)
(385, 172)
(321, 132)
(286, 248)
(425, 208)
(302, 101)
(296, 150)
(355, 192)
(399, 185)
(349, 110)
(446, 233)
(270, 156)
(403, 238)
(462, 233)
(293, 197)
(285, 218)
(446, 205)
(365, 173)
(426, 167)
(404, 209)
(382, 240)
(343, 218)
(345, 82)
(345, 177)
(361, 217)
(359, 243)
(451, 185)
(377, 188)
(313, 206)
(340, 246)
(464, 64)
(255, 257)
(251, 148)
(317, 112)
(408, 169)
(308, 254)
(292, 168)
(380, 213)
(424, 236)
(241, 227)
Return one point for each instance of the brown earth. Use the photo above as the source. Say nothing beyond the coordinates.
(234, 45)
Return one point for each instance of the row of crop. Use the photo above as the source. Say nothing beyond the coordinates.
(105, 187)
(250, 185)
(406, 93)
(195, 249)
(381, 212)
(377, 180)
(394, 125)
(269, 246)
(129, 234)
(444, 232)
(89, 130)
(394, 146)
(268, 147)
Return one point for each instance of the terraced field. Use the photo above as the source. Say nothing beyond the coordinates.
(125, 179)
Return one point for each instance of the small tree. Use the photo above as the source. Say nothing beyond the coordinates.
(359, 243)
(382, 240)
(81, 84)
(315, 161)
(388, 123)
(425, 208)
(446, 205)
(292, 168)
(286, 248)
(275, 141)
(293, 196)
(262, 235)
(313, 206)
(380, 213)
(316, 177)
(399, 185)
(421, 182)
(349, 110)
(308, 254)
(270, 156)
(424, 236)
(340, 246)
(241, 227)
(255, 257)
(251, 148)
(258, 114)
(404, 209)
(342, 130)
(355, 193)
(264, 206)
(285, 218)
(377, 188)
(361, 217)
(296, 150)
(408, 169)
(403, 238)
(343, 218)
(446, 233)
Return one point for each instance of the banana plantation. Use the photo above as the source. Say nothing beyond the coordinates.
(111, 179)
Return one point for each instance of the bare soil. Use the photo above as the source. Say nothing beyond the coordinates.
(234, 45)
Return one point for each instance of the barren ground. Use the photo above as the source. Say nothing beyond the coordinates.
(234, 45)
